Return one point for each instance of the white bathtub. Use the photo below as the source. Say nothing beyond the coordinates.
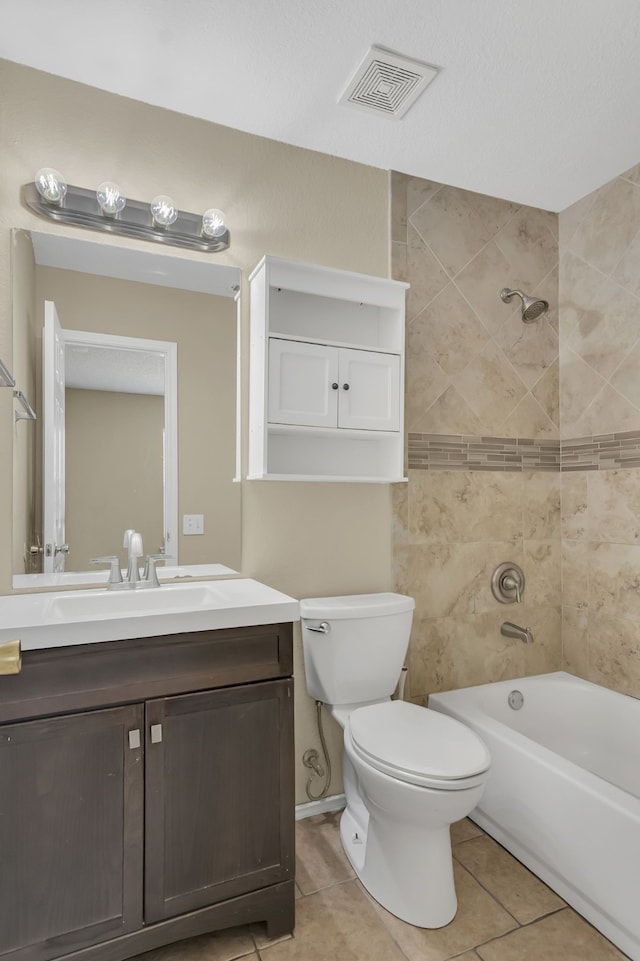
(563, 793)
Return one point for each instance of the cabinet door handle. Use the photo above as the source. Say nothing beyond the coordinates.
(345, 387)
(134, 739)
(156, 733)
(334, 386)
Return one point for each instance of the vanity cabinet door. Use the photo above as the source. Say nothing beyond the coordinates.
(219, 795)
(71, 805)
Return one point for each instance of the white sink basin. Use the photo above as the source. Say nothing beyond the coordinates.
(84, 617)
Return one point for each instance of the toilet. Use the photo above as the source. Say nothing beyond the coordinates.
(409, 772)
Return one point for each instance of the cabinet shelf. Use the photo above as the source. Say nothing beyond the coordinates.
(326, 374)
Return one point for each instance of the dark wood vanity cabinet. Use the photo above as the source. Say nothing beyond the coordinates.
(146, 793)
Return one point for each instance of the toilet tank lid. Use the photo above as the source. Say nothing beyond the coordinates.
(356, 605)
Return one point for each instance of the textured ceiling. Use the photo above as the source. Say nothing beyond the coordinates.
(536, 102)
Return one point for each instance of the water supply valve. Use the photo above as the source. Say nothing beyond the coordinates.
(507, 583)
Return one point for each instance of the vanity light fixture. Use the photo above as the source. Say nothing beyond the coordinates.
(110, 199)
(107, 209)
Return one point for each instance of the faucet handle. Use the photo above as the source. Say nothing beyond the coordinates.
(150, 572)
(135, 545)
(115, 574)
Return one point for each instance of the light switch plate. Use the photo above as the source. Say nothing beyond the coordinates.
(193, 523)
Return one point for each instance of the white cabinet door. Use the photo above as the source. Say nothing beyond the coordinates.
(369, 390)
(303, 384)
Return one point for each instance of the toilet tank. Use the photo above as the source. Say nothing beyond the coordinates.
(354, 646)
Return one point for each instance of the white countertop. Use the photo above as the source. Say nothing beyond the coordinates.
(63, 618)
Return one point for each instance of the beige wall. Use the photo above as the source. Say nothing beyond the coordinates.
(600, 395)
(204, 328)
(113, 448)
(304, 539)
(474, 369)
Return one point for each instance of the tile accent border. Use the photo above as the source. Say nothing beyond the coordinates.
(602, 451)
(464, 452)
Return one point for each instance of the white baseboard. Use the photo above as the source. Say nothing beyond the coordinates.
(335, 802)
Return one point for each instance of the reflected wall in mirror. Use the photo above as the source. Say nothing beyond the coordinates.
(110, 484)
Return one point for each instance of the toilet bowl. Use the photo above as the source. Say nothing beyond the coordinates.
(409, 772)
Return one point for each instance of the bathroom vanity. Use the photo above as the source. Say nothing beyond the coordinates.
(146, 786)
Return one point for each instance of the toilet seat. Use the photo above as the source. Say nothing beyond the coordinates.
(418, 746)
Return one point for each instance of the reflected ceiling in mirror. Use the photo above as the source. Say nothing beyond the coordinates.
(104, 289)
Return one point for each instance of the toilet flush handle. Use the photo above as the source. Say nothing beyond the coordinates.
(323, 627)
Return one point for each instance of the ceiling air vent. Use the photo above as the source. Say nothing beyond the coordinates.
(387, 83)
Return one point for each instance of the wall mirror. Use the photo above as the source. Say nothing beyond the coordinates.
(148, 388)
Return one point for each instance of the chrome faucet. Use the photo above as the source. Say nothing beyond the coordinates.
(508, 629)
(150, 575)
(133, 543)
(133, 581)
(115, 573)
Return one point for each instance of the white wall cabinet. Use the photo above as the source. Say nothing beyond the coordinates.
(326, 374)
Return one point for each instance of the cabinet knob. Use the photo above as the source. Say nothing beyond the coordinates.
(334, 386)
(345, 387)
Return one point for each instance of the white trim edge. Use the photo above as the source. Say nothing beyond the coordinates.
(335, 802)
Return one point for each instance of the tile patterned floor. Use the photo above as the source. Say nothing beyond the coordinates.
(504, 914)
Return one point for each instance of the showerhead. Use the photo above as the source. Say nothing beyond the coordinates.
(532, 307)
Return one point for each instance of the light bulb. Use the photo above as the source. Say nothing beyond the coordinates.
(163, 211)
(51, 185)
(110, 199)
(213, 223)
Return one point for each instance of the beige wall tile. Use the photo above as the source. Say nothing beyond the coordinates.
(529, 419)
(420, 192)
(398, 186)
(542, 571)
(614, 653)
(547, 392)
(456, 224)
(625, 379)
(531, 348)
(574, 495)
(481, 282)
(450, 330)
(465, 506)
(575, 574)
(427, 276)
(450, 414)
(609, 226)
(491, 387)
(575, 642)
(541, 505)
(614, 506)
(607, 412)
(425, 382)
(579, 385)
(614, 575)
(607, 330)
(400, 512)
(529, 246)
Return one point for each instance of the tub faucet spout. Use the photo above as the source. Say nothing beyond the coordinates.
(523, 634)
